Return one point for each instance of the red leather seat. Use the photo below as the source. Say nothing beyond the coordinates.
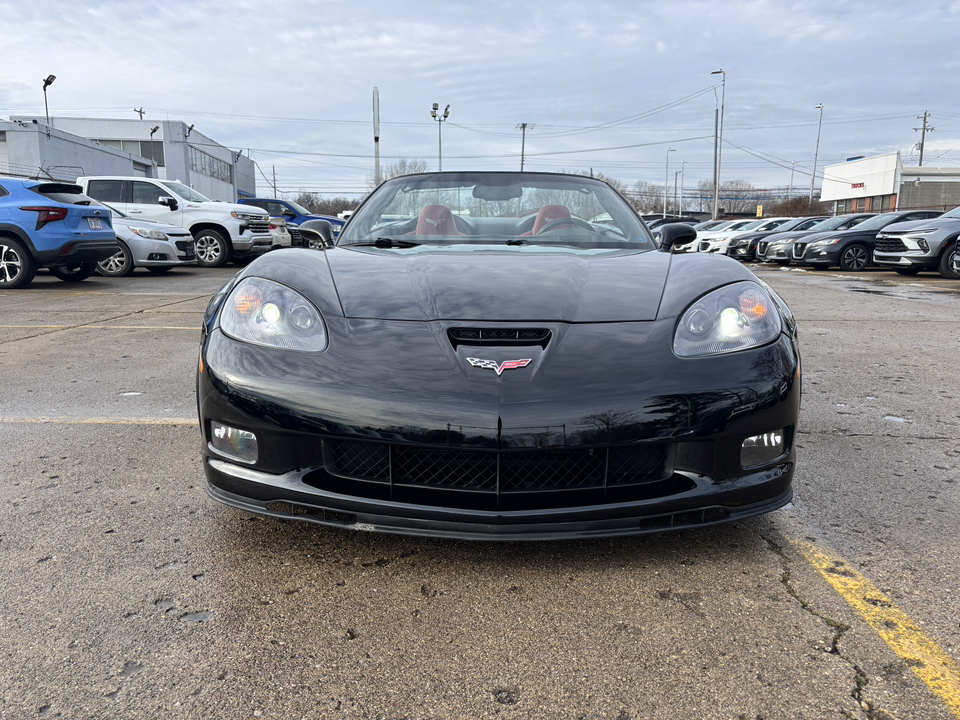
(436, 220)
(547, 214)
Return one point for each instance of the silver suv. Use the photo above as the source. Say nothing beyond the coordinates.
(909, 247)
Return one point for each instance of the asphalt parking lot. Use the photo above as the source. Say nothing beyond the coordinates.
(128, 593)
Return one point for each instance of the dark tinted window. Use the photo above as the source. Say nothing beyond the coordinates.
(262, 204)
(3, 191)
(62, 193)
(276, 209)
(105, 190)
(147, 193)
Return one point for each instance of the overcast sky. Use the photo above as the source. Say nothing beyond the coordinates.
(603, 85)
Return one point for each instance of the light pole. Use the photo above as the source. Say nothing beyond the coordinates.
(440, 117)
(666, 180)
(48, 81)
(719, 156)
(816, 153)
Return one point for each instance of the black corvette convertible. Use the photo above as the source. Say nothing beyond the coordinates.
(499, 356)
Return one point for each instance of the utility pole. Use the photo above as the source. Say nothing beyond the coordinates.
(523, 142)
(923, 135)
(274, 180)
(376, 135)
(793, 166)
(440, 117)
(666, 180)
(139, 112)
(680, 211)
(816, 154)
(718, 140)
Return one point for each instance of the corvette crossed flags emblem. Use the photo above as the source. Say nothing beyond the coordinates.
(492, 364)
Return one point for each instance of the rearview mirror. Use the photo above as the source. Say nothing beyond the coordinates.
(675, 234)
(316, 234)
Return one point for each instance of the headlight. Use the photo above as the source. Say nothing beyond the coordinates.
(249, 217)
(827, 241)
(149, 234)
(735, 317)
(264, 312)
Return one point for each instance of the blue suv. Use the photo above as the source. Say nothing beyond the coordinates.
(294, 213)
(50, 225)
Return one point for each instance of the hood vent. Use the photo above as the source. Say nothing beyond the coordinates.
(509, 337)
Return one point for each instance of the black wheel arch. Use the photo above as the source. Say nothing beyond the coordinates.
(19, 234)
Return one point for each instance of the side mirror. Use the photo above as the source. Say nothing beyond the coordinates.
(675, 234)
(168, 202)
(316, 234)
(289, 213)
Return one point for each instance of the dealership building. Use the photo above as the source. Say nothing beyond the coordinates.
(883, 184)
(73, 147)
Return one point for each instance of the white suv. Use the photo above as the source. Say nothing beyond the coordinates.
(223, 231)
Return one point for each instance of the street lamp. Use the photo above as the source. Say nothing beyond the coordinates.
(666, 180)
(440, 117)
(816, 153)
(719, 154)
(47, 83)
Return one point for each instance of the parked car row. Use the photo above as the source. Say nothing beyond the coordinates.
(905, 241)
(113, 225)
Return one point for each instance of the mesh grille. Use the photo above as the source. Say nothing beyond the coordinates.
(491, 471)
(890, 245)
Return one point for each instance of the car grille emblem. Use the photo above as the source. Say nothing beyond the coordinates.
(492, 364)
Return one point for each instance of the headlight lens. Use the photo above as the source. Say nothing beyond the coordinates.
(264, 312)
(735, 317)
(149, 234)
(249, 216)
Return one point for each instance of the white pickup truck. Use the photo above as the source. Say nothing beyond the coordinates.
(223, 231)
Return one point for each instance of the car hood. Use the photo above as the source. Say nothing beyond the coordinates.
(902, 227)
(480, 283)
(220, 208)
(328, 218)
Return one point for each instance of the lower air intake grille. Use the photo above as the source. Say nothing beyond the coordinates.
(493, 471)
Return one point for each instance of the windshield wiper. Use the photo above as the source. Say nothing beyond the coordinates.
(385, 242)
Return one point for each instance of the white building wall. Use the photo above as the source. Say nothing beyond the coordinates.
(177, 141)
(862, 178)
(30, 149)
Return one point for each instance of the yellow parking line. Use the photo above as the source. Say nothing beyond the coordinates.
(96, 421)
(925, 657)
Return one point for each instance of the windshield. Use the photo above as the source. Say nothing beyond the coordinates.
(497, 208)
(955, 213)
(876, 222)
(298, 207)
(834, 222)
(188, 194)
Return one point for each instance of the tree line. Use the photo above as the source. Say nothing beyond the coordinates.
(737, 197)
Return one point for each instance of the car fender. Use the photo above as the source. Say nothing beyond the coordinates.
(17, 231)
(685, 281)
(306, 271)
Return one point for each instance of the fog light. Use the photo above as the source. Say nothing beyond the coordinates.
(237, 444)
(760, 449)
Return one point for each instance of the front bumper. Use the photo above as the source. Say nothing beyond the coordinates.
(924, 262)
(615, 454)
(288, 496)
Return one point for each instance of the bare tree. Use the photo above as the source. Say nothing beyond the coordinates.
(402, 166)
(798, 207)
(736, 196)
